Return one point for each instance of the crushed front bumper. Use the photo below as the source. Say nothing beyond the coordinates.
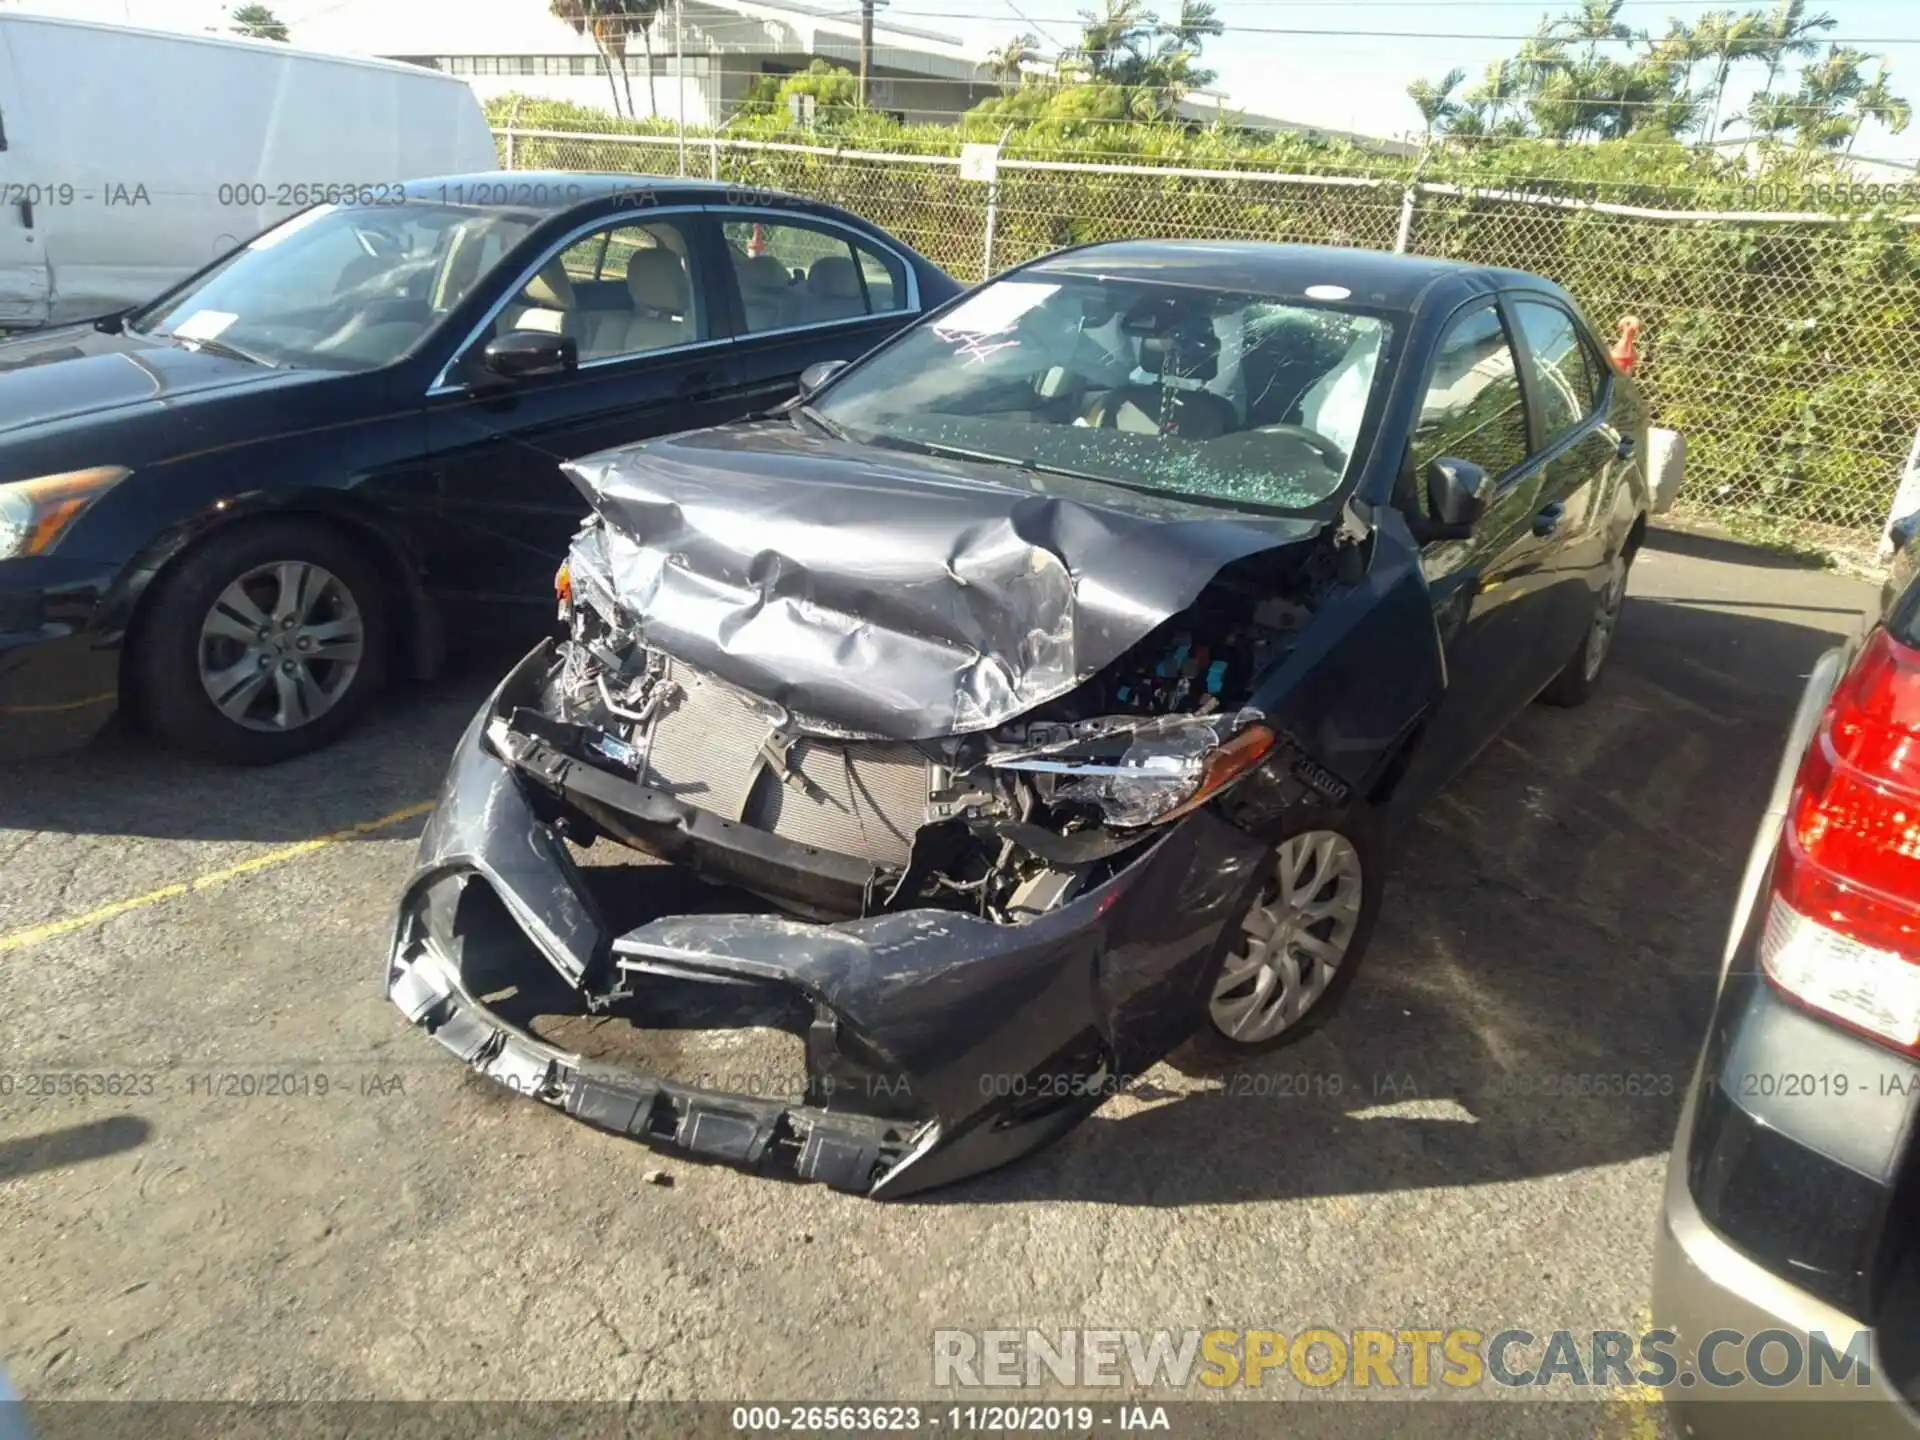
(939, 1045)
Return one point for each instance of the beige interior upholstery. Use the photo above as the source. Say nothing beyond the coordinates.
(544, 303)
(833, 289)
(662, 302)
(766, 290)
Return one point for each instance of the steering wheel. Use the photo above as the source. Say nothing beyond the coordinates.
(1331, 455)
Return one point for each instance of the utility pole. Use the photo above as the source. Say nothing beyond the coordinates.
(866, 47)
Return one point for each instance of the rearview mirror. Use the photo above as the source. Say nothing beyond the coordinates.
(526, 354)
(814, 378)
(1459, 492)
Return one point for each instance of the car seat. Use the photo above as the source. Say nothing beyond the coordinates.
(662, 302)
(545, 303)
(766, 291)
(1176, 404)
(833, 290)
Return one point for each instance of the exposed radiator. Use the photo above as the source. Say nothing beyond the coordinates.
(858, 797)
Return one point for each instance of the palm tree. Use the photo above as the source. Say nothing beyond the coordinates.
(1727, 39)
(1111, 41)
(259, 23)
(1496, 87)
(1878, 102)
(1008, 64)
(1598, 21)
(1435, 102)
(1829, 91)
(1789, 30)
(1540, 58)
(584, 17)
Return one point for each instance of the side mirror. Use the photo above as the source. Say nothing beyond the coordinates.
(1902, 531)
(527, 354)
(1459, 492)
(814, 378)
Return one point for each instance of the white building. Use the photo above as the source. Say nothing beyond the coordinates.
(703, 60)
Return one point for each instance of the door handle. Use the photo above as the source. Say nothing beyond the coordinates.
(1548, 520)
(1624, 449)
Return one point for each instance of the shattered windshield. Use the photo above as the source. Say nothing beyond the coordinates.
(1220, 396)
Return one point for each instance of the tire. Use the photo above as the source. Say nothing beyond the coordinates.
(1312, 852)
(292, 690)
(1575, 685)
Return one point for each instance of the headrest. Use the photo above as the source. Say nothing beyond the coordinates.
(550, 288)
(657, 281)
(1187, 355)
(834, 276)
(762, 272)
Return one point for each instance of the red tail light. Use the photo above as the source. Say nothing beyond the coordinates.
(1843, 934)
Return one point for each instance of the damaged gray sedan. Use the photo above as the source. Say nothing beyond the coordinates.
(1029, 697)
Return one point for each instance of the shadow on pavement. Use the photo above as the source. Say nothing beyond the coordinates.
(125, 784)
(1728, 552)
(71, 1145)
(1543, 968)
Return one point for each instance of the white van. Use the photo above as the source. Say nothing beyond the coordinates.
(131, 158)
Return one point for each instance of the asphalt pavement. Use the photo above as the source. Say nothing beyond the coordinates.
(273, 1188)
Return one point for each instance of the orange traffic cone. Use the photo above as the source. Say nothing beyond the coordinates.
(757, 245)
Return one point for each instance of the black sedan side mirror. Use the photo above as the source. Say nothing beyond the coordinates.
(814, 378)
(1459, 492)
(1902, 531)
(527, 354)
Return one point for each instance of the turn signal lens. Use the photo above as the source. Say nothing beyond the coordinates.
(35, 513)
(1224, 764)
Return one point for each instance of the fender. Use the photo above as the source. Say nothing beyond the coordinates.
(419, 624)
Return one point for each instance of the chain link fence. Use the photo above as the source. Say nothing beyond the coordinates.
(1784, 347)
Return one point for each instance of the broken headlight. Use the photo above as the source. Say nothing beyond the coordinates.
(1164, 772)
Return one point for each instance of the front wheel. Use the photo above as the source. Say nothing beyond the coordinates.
(265, 643)
(1299, 943)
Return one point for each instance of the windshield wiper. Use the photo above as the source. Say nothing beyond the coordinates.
(817, 418)
(217, 347)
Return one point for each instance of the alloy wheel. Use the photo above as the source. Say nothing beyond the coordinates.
(280, 646)
(1606, 615)
(1292, 939)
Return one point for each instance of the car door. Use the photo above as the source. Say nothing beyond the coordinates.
(634, 293)
(1566, 390)
(1484, 587)
(804, 289)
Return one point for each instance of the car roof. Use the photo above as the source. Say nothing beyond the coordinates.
(1375, 278)
(557, 190)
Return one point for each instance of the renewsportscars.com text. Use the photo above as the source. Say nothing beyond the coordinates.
(1395, 1358)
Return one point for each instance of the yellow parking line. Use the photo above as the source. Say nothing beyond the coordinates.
(34, 934)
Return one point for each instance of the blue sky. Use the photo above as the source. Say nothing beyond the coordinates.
(1349, 81)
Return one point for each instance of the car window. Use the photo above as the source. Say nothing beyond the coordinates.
(341, 287)
(792, 274)
(1473, 409)
(1210, 394)
(621, 290)
(1563, 380)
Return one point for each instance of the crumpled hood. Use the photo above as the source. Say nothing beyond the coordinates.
(893, 594)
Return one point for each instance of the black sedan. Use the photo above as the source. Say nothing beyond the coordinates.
(1038, 686)
(242, 507)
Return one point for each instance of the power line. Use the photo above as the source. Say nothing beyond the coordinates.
(1405, 34)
